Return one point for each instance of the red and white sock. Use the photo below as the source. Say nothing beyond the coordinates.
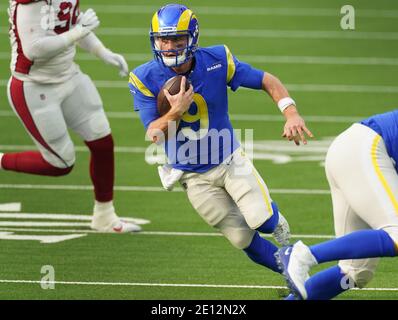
(1, 157)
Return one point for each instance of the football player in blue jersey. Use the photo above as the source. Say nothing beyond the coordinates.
(361, 168)
(203, 152)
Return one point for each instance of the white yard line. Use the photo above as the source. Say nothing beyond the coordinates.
(291, 87)
(235, 117)
(149, 284)
(77, 148)
(60, 216)
(10, 207)
(256, 33)
(248, 11)
(43, 224)
(143, 188)
(265, 33)
(365, 61)
(157, 233)
(240, 11)
(260, 148)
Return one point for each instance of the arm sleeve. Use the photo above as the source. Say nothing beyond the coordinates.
(145, 106)
(241, 74)
(36, 42)
(91, 44)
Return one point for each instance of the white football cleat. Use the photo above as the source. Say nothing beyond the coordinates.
(106, 220)
(295, 263)
(115, 226)
(282, 231)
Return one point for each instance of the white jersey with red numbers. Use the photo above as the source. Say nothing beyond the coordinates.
(30, 21)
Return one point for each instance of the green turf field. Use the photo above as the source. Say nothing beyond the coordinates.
(335, 76)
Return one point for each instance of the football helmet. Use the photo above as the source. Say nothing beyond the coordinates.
(174, 20)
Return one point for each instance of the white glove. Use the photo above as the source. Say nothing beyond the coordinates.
(169, 176)
(114, 59)
(86, 22)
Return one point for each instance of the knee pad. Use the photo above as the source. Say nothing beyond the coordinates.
(239, 238)
(242, 239)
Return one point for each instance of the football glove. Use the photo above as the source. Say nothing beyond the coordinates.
(169, 176)
(88, 20)
(114, 59)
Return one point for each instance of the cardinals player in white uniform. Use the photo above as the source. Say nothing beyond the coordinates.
(50, 94)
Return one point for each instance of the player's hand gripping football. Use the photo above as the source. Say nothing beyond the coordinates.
(181, 101)
(295, 128)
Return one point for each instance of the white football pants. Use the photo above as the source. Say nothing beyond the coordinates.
(232, 197)
(47, 110)
(364, 187)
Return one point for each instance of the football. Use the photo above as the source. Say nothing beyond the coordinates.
(173, 87)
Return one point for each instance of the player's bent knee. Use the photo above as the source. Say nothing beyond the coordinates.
(58, 172)
(68, 155)
(62, 158)
(240, 239)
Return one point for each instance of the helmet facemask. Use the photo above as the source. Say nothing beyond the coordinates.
(174, 21)
(180, 55)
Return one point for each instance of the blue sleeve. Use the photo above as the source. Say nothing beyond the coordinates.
(246, 76)
(146, 106)
(241, 73)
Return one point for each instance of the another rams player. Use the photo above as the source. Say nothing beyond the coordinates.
(361, 167)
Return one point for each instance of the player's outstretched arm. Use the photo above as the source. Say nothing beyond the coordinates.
(36, 42)
(295, 128)
(92, 44)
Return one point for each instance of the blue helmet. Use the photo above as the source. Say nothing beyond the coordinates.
(170, 21)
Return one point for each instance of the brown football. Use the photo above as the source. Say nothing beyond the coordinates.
(173, 87)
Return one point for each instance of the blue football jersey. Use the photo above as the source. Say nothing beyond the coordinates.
(386, 125)
(205, 136)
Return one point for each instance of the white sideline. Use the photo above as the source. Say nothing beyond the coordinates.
(148, 284)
